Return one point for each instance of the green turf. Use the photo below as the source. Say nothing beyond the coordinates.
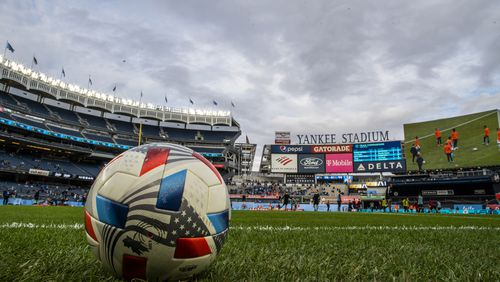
(470, 136)
(303, 246)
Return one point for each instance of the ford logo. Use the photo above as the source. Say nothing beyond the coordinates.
(311, 162)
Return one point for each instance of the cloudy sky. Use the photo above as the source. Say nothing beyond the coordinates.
(304, 66)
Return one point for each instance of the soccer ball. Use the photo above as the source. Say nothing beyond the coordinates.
(157, 212)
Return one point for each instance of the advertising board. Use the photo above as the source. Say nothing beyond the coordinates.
(338, 163)
(299, 179)
(311, 163)
(282, 137)
(284, 163)
(290, 149)
(331, 149)
(386, 166)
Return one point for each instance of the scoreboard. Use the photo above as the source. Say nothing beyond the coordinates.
(377, 152)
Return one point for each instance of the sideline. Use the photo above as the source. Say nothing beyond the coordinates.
(363, 228)
(20, 225)
(78, 226)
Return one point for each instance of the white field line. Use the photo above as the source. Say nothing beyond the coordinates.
(19, 225)
(455, 126)
(363, 228)
(77, 226)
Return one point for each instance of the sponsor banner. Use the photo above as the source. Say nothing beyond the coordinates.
(39, 172)
(438, 193)
(331, 149)
(368, 184)
(282, 137)
(282, 142)
(63, 175)
(338, 163)
(239, 196)
(290, 149)
(309, 163)
(286, 163)
(380, 191)
(377, 152)
(299, 179)
(85, 177)
(387, 166)
(347, 199)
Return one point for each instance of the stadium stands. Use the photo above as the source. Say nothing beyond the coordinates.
(98, 137)
(52, 131)
(93, 121)
(25, 161)
(121, 126)
(64, 115)
(67, 131)
(32, 122)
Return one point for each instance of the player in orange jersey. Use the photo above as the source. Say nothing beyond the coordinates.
(417, 142)
(437, 133)
(454, 139)
(448, 151)
(486, 138)
(498, 138)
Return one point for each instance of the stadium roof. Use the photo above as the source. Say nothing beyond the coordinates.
(61, 90)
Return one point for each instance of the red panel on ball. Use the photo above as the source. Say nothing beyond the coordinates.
(155, 157)
(191, 248)
(209, 164)
(88, 226)
(134, 267)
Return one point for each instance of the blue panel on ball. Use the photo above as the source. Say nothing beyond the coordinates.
(219, 220)
(171, 190)
(111, 212)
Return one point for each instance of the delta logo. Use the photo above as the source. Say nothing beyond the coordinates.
(284, 160)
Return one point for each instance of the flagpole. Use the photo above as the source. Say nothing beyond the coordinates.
(140, 123)
(88, 83)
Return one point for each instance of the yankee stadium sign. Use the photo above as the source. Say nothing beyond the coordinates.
(344, 138)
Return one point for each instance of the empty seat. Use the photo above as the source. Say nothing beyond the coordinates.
(94, 121)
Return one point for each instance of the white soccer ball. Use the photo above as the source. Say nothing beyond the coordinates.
(157, 212)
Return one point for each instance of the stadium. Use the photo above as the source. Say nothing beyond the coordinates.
(57, 137)
(388, 172)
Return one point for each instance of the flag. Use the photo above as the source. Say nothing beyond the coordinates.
(9, 47)
(248, 140)
(141, 94)
(215, 102)
(232, 104)
(35, 61)
(114, 88)
(166, 100)
(90, 80)
(191, 101)
(63, 73)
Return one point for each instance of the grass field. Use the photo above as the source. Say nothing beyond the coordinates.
(276, 246)
(471, 132)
